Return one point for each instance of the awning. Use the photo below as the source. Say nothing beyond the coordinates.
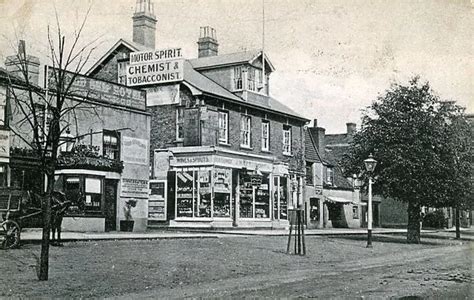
(337, 200)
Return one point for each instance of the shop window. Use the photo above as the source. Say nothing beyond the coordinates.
(180, 123)
(93, 195)
(222, 191)
(203, 201)
(245, 134)
(254, 200)
(238, 78)
(286, 139)
(194, 194)
(185, 185)
(262, 198)
(265, 135)
(280, 197)
(355, 212)
(309, 173)
(73, 191)
(223, 127)
(85, 193)
(111, 144)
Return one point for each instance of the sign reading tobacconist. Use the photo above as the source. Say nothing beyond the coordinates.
(156, 66)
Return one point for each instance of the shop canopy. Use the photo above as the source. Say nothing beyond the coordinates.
(338, 200)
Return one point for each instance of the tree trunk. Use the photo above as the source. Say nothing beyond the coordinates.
(413, 228)
(458, 225)
(44, 257)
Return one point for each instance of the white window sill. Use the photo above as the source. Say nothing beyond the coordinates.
(246, 147)
(224, 144)
(288, 154)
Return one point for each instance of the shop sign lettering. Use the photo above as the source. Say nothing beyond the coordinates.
(155, 72)
(101, 91)
(134, 188)
(191, 160)
(154, 55)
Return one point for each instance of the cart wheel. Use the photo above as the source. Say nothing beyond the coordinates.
(10, 234)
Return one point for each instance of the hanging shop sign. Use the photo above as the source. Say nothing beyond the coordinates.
(134, 188)
(99, 90)
(135, 151)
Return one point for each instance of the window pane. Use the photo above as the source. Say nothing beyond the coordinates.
(93, 185)
(185, 193)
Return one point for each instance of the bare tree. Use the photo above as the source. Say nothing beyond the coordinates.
(40, 116)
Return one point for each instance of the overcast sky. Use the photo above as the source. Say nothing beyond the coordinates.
(332, 58)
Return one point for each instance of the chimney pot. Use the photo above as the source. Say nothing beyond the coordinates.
(351, 128)
(315, 123)
(207, 43)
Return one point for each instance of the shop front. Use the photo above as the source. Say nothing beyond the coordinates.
(212, 187)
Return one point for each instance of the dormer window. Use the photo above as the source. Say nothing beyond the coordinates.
(238, 78)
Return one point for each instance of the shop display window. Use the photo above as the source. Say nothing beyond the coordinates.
(254, 200)
(280, 197)
(262, 198)
(185, 184)
(203, 202)
(86, 195)
(222, 191)
(93, 195)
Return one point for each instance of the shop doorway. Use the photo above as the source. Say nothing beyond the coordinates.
(110, 208)
(314, 211)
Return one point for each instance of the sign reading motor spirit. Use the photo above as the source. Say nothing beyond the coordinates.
(152, 67)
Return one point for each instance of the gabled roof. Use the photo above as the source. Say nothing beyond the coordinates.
(205, 84)
(311, 148)
(230, 59)
(121, 42)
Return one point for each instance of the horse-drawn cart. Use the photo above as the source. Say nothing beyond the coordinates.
(17, 205)
(10, 208)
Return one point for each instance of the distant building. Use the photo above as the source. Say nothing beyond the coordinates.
(332, 200)
(225, 153)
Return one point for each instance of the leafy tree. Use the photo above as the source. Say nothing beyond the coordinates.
(423, 149)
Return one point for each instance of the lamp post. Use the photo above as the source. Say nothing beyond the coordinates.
(370, 164)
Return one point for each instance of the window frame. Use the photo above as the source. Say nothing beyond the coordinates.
(238, 74)
(225, 139)
(247, 131)
(107, 146)
(179, 122)
(266, 146)
(287, 146)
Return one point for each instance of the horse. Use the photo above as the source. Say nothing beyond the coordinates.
(59, 206)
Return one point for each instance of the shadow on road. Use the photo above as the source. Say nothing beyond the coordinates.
(396, 239)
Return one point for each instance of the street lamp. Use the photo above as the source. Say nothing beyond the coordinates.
(370, 164)
(67, 141)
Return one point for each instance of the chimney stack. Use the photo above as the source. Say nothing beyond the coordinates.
(144, 24)
(351, 128)
(17, 64)
(315, 122)
(207, 43)
(320, 134)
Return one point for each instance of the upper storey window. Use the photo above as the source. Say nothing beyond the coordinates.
(238, 75)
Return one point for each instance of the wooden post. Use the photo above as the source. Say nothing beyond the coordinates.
(289, 239)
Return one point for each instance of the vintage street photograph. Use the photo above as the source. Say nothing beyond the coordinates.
(209, 149)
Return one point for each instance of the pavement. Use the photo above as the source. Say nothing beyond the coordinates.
(35, 234)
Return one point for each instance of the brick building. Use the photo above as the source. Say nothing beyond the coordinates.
(215, 132)
(332, 200)
(103, 157)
